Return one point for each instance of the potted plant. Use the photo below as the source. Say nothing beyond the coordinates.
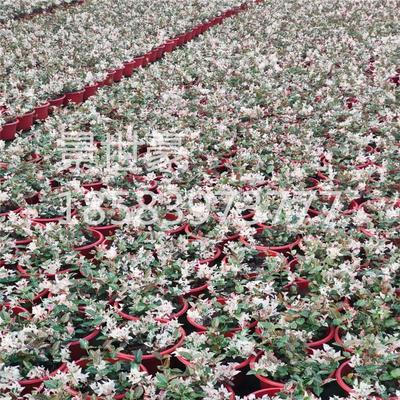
(30, 351)
(276, 239)
(10, 199)
(226, 315)
(18, 230)
(285, 361)
(150, 339)
(8, 127)
(53, 206)
(172, 384)
(116, 378)
(135, 300)
(78, 324)
(373, 368)
(213, 349)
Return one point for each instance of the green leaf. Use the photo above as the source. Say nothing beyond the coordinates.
(385, 377)
(52, 384)
(138, 356)
(395, 373)
(162, 381)
(84, 344)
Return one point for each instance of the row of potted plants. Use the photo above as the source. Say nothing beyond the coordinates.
(11, 10)
(61, 82)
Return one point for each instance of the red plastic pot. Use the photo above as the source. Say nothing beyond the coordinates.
(292, 264)
(286, 247)
(265, 250)
(30, 384)
(87, 250)
(106, 230)
(74, 97)
(109, 80)
(211, 260)
(317, 344)
(366, 232)
(140, 61)
(136, 178)
(391, 202)
(23, 273)
(315, 184)
(58, 102)
(151, 55)
(337, 336)
(34, 199)
(367, 164)
(265, 383)
(15, 309)
(196, 31)
(202, 328)
(218, 20)
(118, 74)
(188, 363)
(93, 185)
(177, 230)
(153, 187)
(42, 112)
(26, 121)
(192, 235)
(129, 66)
(231, 238)
(322, 177)
(16, 211)
(330, 334)
(83, 363)
(203, 27)
(35, 158)
(229, 13)
(237, 379)
(301, 284)
(149, 360)
(273, 249)
(45, 221)
(171, 45)
(181, 39)
(338, 339)
(160, 50)
(189, 36)
(90, 90)
(76, 351)
(182, 301)
(195, 292)
(230, 390)
(209, 24)
(9, 130)
(36, 300)
(345, 368)
(354, 205)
